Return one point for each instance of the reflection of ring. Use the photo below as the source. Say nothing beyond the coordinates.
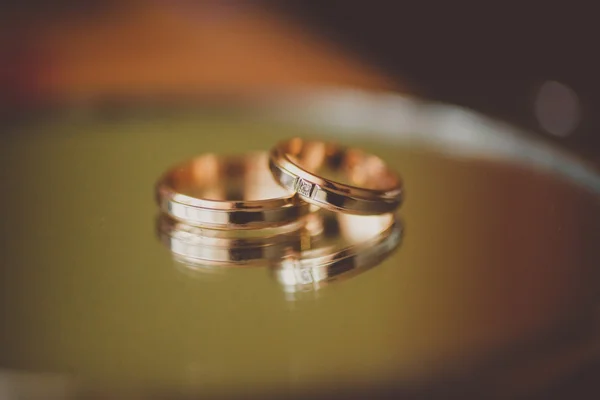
(372, 187)
(366, 241)
(227, 192)
(196, 246)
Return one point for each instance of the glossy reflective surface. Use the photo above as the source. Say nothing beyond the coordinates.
(348, 246)
(496, 280)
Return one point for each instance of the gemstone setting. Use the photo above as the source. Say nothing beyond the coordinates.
(305, 188)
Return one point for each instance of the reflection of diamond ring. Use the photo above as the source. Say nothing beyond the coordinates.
(233, 192)
(360, 183)
(354, 244)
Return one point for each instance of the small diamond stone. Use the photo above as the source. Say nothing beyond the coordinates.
(304, 188)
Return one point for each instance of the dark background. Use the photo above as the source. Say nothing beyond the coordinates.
(489, 56)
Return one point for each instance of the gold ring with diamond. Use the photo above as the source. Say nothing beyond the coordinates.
(335, 177)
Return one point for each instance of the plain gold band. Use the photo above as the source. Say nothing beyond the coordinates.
(261, 202)
(295, 164)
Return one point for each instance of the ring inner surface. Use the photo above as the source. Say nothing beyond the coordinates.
(347, 166)
(341, 230)
(227, 178)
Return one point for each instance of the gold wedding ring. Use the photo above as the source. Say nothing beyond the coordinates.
(335, 177)
(314, 212)
(227, 192)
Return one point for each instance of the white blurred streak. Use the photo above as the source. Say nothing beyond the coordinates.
(448, 129)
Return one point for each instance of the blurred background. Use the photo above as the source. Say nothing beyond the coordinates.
(532, 67)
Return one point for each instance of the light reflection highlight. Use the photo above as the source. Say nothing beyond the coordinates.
(557, 108)
(320, 249)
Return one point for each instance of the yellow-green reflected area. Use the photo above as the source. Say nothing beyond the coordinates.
(495, 259)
